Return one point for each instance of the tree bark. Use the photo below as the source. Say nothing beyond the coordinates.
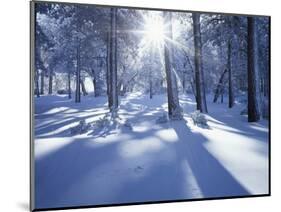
(253, 78)
(174, 109)
(199, 76)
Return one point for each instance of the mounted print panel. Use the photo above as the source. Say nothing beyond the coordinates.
(139, 105)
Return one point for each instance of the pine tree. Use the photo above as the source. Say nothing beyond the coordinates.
(174, 109)
(253, 77)
(199, 74)
(113, 95)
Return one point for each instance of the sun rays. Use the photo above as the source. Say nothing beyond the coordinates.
(154, 29)
(154, 35)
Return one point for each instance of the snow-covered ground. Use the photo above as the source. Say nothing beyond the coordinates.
(144, 161)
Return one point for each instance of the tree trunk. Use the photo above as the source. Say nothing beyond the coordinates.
(124, 90)
(69, 84)
(192, 80)
(222, 91)
(253, 92)
(94, 82)
(174, 109)
(219, 86)
(78, 77)
(36, 79)
(113, 94)
(230, 87)
(50, 82)
(84, 91)
(199, 76)
(42, 83)
(107, 64)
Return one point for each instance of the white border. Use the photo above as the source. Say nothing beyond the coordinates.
(14, 109)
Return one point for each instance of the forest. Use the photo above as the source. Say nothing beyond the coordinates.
(137, 105)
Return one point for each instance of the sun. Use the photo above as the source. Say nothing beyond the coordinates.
(153, 34)
(154, 29)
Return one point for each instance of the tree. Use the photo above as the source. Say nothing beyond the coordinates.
(199, 75)
(78, 68)
(42, 76)
(78, 74)
(108, 37)
(253, 77)
(36, 79)
(51, 73)
(229, 20)
(84, 91)
(174, 109)
(263, 52)
(69, 83)
(224, 40)
(220, 87)
(230, 86)
(113, 95)
(42, 43)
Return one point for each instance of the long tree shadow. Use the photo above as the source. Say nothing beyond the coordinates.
(59, 170)
(61, 115)
(163, 180)
(166, 180)
(46, 103)
(157, 174)
(40, 131)
(160, 182)
(63, 118)
(212, 177)
(239, 124)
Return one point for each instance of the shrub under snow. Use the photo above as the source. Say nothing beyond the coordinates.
(199, 119)
(81, 128)
(110, 122)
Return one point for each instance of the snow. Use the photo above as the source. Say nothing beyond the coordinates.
(148, 161)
